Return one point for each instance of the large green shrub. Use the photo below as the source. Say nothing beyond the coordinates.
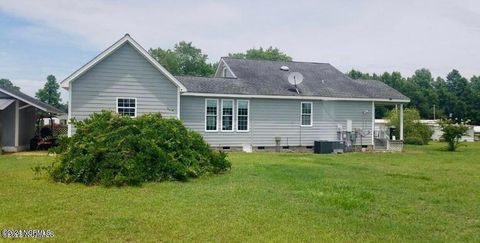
(453, 131)
(412, 127)
(109, 149)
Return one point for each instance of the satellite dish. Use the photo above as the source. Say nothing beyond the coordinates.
(295, 78)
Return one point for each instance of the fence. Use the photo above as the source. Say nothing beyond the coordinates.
(60, 130)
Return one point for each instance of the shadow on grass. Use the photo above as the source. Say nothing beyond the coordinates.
(407, 176)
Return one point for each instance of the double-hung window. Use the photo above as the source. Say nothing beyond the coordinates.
(243, 109)
(127, 106)
(227, 115)
(211, 114)
(306, 114)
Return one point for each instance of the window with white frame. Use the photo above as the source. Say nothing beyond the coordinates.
(127, 106)
(243, 107)
(224, 73)
(227, 115)
(211, 113)
(306, 113)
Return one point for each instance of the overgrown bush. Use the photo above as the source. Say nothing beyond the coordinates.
(109, 149)
(412, 127)
(414, 141)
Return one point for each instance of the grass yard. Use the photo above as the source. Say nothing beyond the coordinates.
(423, 194)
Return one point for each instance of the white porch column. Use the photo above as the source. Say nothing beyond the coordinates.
(373, 123)
(17, 123)
(401, 122)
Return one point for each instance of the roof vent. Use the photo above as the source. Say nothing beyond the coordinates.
(284, 68)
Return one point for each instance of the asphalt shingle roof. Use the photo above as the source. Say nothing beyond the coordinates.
(260, 77)
(30, 100)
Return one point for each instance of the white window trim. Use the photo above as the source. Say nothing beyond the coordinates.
(205, 115)
(136, 104)
(311, 114)
(248, 117)
(233, 115)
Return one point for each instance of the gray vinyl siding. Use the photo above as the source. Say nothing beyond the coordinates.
(125, 73)
(270, 118)
(26, 126)
(7, 122)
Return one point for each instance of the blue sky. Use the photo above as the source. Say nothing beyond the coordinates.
(38, 38)
(30, 52)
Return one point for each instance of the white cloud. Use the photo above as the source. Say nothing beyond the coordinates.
(29, 87)
(369, 35)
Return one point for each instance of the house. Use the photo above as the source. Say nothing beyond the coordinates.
(434, 125)
(18, 115)
(248, 104)
(476, 133)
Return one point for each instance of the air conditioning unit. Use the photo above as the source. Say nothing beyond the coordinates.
(327, 147)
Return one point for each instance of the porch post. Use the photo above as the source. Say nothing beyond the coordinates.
(17, 123)
(373, 123)
(401, 122)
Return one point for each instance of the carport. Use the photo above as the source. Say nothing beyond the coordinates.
(18, 116)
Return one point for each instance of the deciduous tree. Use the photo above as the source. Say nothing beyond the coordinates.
(7, 83)
(271, 53)
(184, 59)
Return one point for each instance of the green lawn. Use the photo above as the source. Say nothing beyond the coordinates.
(423, 194)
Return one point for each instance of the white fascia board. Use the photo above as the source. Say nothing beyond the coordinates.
(66, 82)
(292, 97)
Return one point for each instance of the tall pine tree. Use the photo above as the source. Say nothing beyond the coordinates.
(50, 94)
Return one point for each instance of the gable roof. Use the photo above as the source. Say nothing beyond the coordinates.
(30, 100)
(264, 78)
(4, 103)
(125, 39)
(379, 89)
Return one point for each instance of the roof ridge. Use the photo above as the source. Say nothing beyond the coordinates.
(190, 76)
(263, 60)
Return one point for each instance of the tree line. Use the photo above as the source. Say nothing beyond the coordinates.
(451, 97)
